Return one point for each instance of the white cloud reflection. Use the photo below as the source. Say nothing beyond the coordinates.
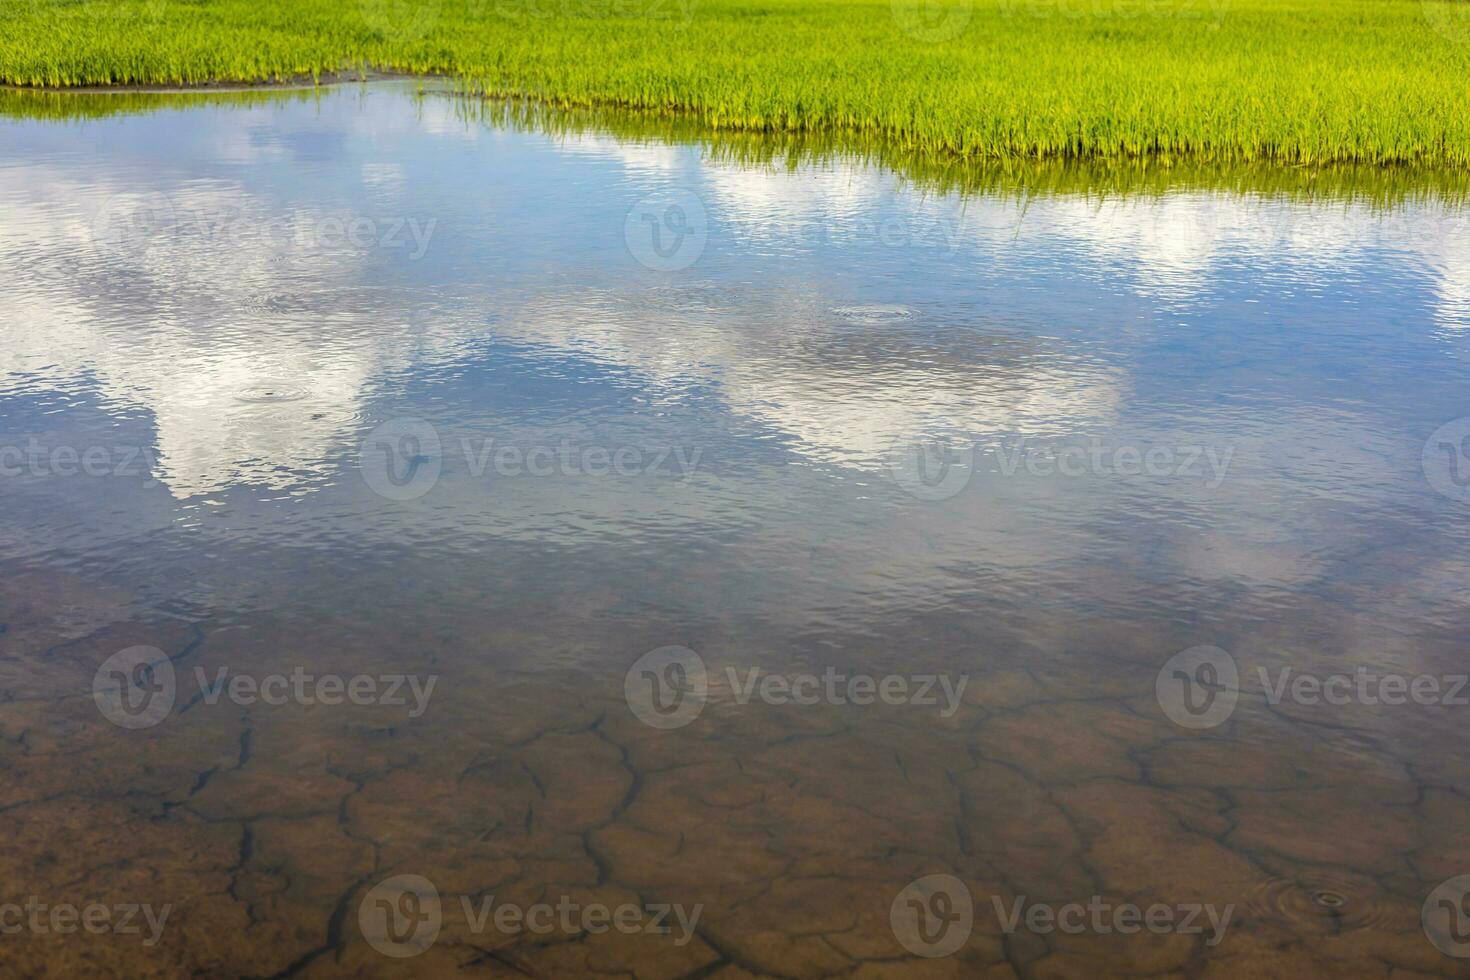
(254, 374)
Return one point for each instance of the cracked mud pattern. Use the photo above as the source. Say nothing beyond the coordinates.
(1057, 779)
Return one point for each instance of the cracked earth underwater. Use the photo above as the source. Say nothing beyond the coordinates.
(335, 386)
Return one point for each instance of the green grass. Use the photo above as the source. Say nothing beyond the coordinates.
(1280, 81)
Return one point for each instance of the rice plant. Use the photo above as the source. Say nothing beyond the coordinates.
(1304, 82)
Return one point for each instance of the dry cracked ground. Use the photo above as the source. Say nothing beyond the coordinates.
(793, 829)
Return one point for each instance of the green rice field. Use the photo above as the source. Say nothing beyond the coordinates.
(1306, 82)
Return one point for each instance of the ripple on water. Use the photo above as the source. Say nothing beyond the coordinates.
(873, 313)
(270, 394)
(280, 303)
(698, 296)
(1328, 902)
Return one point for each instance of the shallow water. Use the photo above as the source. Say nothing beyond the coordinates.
(361, 385)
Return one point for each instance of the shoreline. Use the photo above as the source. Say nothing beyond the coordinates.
(293, 83)
(1125, 174)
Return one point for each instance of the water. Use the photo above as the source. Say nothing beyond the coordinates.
(305, 388)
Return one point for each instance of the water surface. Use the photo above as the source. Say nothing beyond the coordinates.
(364, 382)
